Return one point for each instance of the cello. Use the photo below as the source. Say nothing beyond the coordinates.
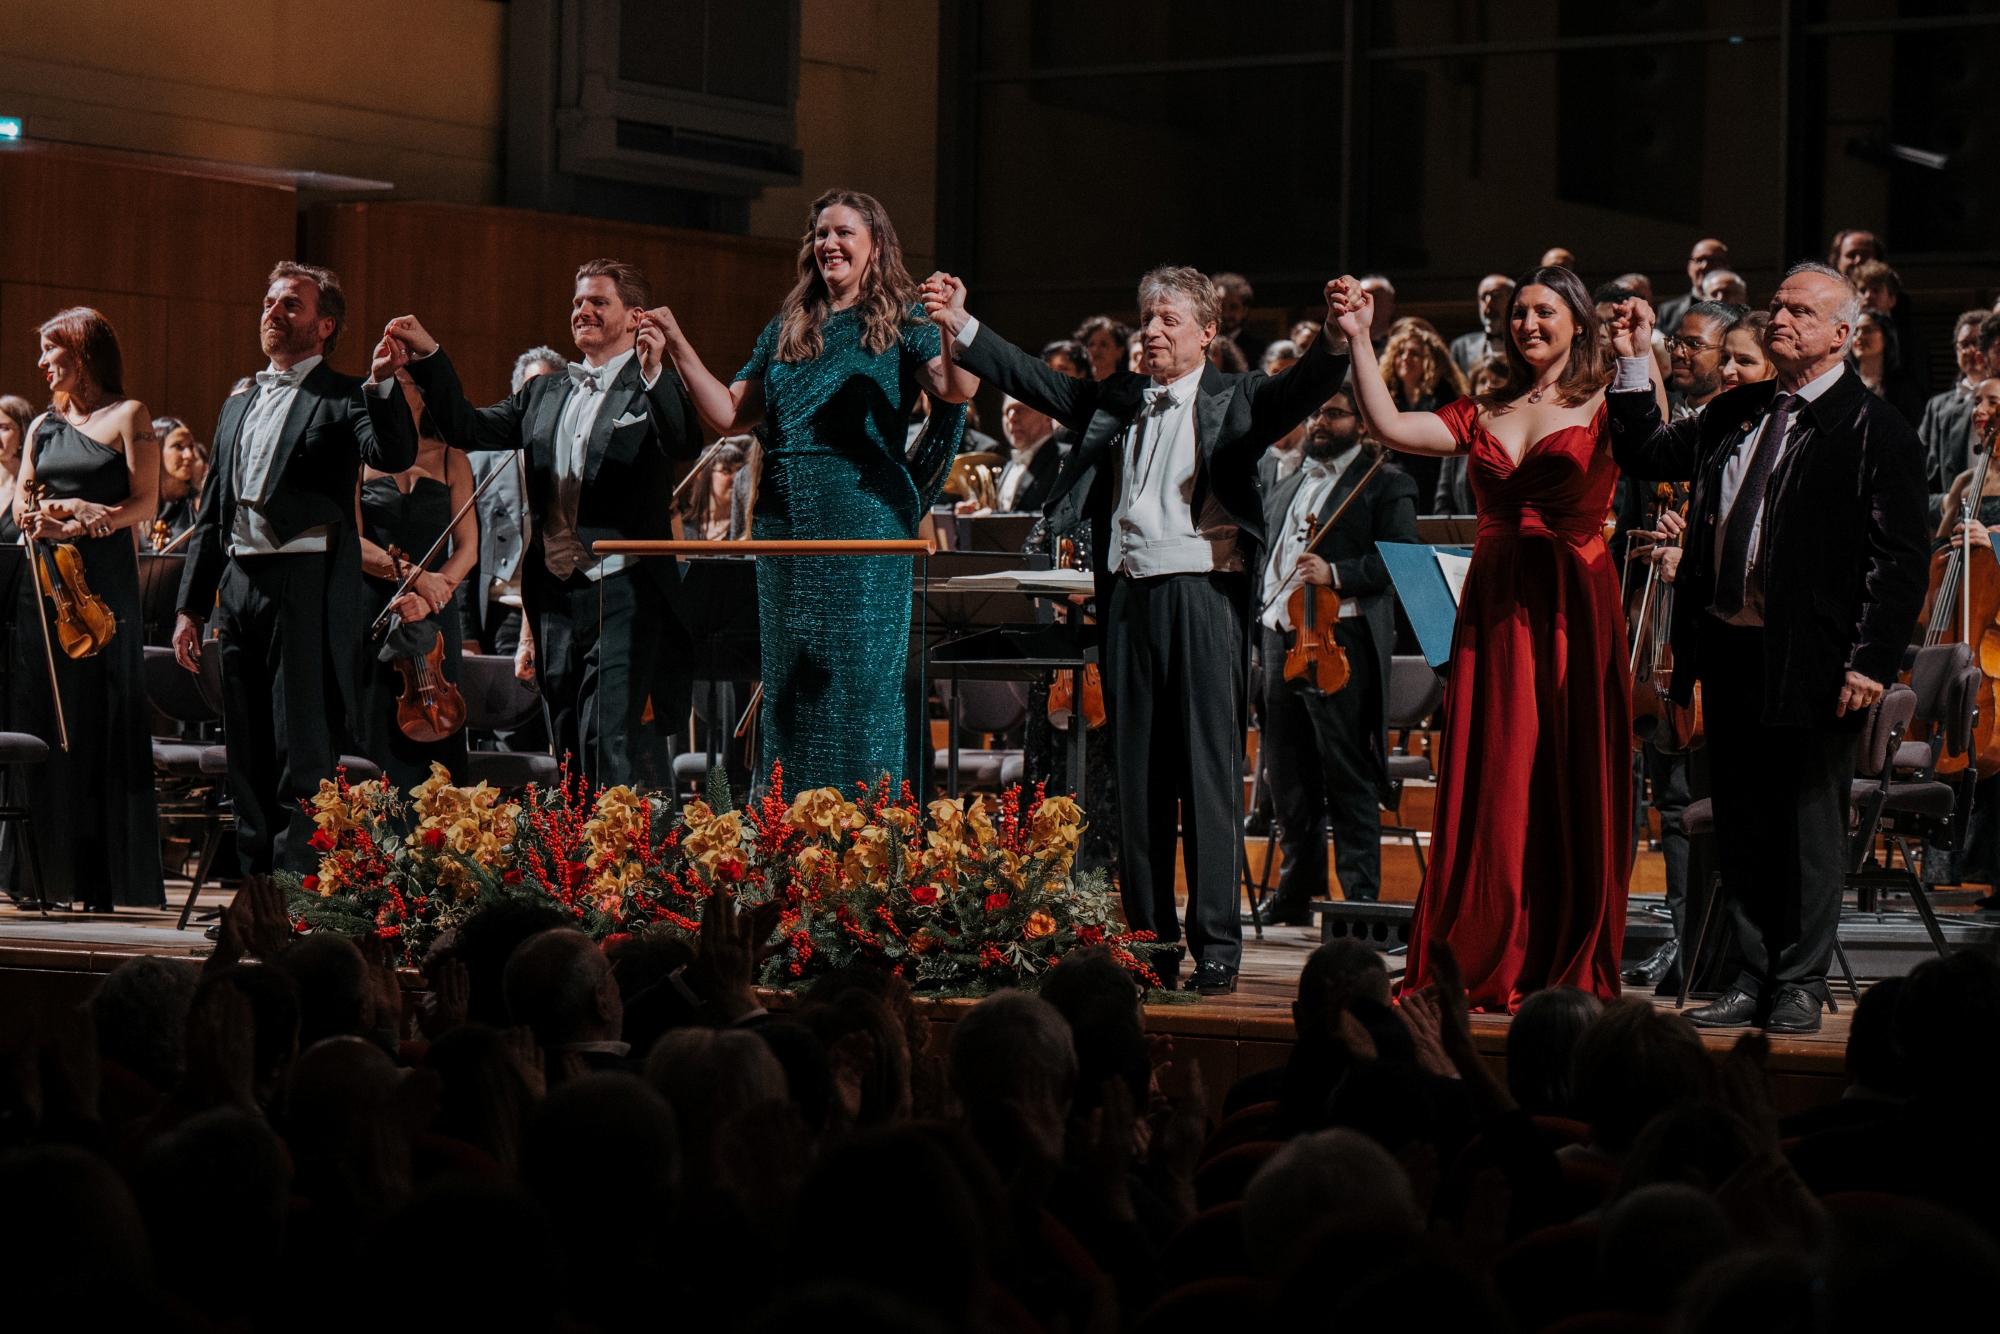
(1673, 729)
(1962, 606)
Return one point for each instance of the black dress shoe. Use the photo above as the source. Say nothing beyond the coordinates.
(1281, 911)
(1649, 973)
(1212, 979)
(1734, 1008)
(1795, 1010)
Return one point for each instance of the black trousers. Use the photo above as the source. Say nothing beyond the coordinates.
(596, 661)
(1173, 684)
(1326, 769)
(1668, 777)
(1781, 801)
(282, 711)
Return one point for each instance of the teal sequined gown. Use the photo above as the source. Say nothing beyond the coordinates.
(836, 629)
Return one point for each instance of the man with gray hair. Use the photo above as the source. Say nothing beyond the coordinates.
(1804, 571)
(1163, 480)
(559, 983)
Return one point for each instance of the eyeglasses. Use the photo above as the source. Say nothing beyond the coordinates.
(1333, 414)
(1690, 346)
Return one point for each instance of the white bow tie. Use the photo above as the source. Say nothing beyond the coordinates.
(1159, 398)
(587, 377)
(280, 379)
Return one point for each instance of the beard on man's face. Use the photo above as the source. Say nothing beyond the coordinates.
(1323, 444)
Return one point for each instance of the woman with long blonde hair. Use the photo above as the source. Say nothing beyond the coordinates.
(1421, 376)
(832, 381)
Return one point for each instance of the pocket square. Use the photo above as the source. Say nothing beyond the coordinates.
(632, 419)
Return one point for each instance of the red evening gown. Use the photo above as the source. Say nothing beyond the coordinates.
(1531, 851)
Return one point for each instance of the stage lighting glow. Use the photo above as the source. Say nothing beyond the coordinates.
(10, 128)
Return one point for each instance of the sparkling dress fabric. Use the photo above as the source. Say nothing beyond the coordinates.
(1531, 852)
(95, 811)
(836, 629)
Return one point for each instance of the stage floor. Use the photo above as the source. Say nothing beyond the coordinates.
(59, 958)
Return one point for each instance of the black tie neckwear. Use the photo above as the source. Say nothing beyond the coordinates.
(1732, 567)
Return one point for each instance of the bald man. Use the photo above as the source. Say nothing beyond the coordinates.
(1496, 294)
(1708, 254)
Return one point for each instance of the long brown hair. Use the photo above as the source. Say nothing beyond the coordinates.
(89, 337)
(1439, 368)
(1584, 373)
(887, 289)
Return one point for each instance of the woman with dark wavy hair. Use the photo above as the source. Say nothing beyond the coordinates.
(832, 382)
(1530, 854)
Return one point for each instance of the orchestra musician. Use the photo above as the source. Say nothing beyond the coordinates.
(276, 557)
(98, 458)
(1797, 594)
(1328, 753)
(1165, 473)
(601, 441)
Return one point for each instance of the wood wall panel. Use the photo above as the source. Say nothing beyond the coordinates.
(490, 283)
(175, 260)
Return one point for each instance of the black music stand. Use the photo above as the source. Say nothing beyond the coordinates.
(719, 607)
(160, 594)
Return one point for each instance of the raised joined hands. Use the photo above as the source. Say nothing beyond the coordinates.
(944, 302)
(1632, 328)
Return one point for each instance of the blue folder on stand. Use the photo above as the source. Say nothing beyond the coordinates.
(1427, 600)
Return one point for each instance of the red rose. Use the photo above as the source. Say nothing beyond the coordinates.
(996, 902)
(924, 894)
(310, 884)
(511, 878)
(731, 871)
(433, 838)
(323, 841)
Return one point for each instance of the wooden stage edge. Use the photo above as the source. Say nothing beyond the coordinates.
(60, 959)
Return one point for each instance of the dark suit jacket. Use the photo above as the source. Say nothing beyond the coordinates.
(628, 481)
(1844, 550)
(1043, 470)
(1385, 512)
(1236, 416)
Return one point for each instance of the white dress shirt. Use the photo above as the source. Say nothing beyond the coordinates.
(1281, 575)
(1738, 467)
(1153, 531)
(1014, 475)
(256, 450)
(561, 549)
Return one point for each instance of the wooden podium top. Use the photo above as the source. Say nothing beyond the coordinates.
(912, 547)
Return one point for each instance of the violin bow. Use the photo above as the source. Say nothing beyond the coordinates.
(48, 637)
(409, 581)
(693, 472)
(1284, 588)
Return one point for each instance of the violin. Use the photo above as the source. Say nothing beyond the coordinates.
(159, 535)
(1673, 729)
(1315, 654)
(430, 707)
(84, 624)
(1962, 606)
(1064, 689)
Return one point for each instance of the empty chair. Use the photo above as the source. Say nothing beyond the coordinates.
(17, 751)
(1415, 691)
(497, 701)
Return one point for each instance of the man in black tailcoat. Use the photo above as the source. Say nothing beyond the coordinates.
(276, 557)
(1165, 470)
(1804, 571)
(1328, 753)
(601, 442)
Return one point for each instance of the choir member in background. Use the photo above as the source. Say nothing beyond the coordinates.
(1851, 249)
(1328, 754)
(15, 414)
(1946, 428)
(411, 510)
(1725, 286)
(1496, 295)
(1135, 353)
(707, 510)
(1559, 257)
(1302, 334)
(1165, 476)
(183, 470)
(1226, 357)
(1744, 360)
(1069, 357)
(601, 441)
(1877, 358)
(1708, 256)
(1235, 295)
(1104, 340)
(97, 457)
(492, 601)
(276, 558)
(1281, 460)
(1422, 377)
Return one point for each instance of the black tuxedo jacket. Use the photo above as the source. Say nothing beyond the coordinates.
(1845, 550)
(1236, 417)
(1385, 512)
(1043, 470)
(333, 428)
(628, 481)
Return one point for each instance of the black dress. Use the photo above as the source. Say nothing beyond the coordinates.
(412, 522)
(96, 819)
(179, 514)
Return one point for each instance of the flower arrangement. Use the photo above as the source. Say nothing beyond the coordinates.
(959, 897)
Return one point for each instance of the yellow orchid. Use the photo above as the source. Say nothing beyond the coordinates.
(822, 810)
(867, 859)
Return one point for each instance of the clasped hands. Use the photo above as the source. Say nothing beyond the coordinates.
(59, 519)
(405, 339)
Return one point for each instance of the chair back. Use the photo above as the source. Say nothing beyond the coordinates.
(1415, 691)
(1932, 673)
(1961, 708)
(494, 700)
(209, 679)
(1885, 726)
(987, 706)
(174, 690)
